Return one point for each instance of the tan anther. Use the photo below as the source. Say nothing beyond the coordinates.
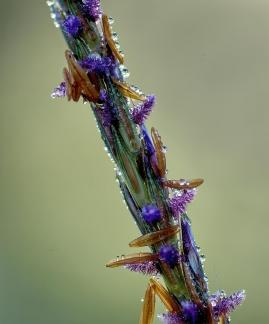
(222, 320)
(132, 259)
(82, 83)
(148, 308)
(180, 185)
(155, 237)
(127, 91)
(68, 83)
(164, 296)
(160, 155)
(109, 39)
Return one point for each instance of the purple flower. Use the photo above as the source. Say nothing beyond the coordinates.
(97, 64)
(146, 268)
(190, 311)
(103, 95)
(151, 214)
(142, 111)
(170, 255)
(171, 318)
(107, 112)
(180, 201)
(72, 25)
(59, 91)
(190, 314)
(223, 305)
(92, 8)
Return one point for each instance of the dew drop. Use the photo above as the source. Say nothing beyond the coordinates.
(50, 3)
(111, 20)
(115, 37)
(202, 257)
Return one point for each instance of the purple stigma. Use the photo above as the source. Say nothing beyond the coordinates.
(151, 214)
(59, 91)
(103, 95)
(190, 312)
(97, 64)
(141, 112)
(180, 201)
(72, 25)
(223, 305)
(146, 268)
(92, 8)
(170, 255)
(171, 318)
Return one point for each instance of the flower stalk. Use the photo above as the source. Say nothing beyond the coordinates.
(158, 205)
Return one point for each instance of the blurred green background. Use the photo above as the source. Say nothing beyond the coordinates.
(61, 214)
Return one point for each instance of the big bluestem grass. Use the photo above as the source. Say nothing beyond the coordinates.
(158, 205)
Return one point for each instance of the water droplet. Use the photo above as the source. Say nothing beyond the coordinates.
(121, 53)
(111, 20)
(50, 3)
(142, 300)
(164, 149)
(115, 37)
(202, 257)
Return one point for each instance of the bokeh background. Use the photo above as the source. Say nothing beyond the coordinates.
(61, 214)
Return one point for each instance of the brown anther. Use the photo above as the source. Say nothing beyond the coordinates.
(82, 83)
(132, 259)
(109, 39)
(148, 309)
(155, 237)
(164, 296)
(160, 155)
(180, 184)
(128, 92)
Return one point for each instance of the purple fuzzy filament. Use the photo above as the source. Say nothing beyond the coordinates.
(171, 318)
(97, 64)
(92, 8)
(146, 268)
(72, 25)
(180, 201)
(141, 112)
(223, 305)
(59, 91)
